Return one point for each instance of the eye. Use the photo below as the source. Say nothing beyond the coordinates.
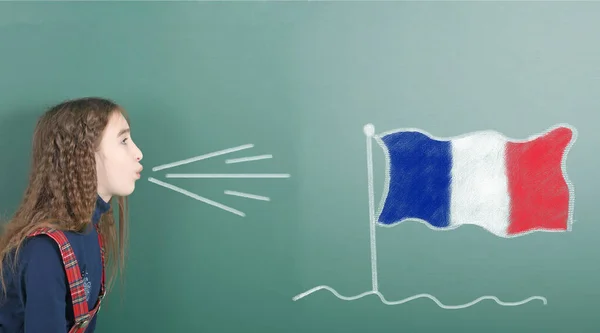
(124, 140)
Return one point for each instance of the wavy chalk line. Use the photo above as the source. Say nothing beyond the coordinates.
(433, 298)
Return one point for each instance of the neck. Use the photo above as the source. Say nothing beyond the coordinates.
(102, 206)
(105, 197)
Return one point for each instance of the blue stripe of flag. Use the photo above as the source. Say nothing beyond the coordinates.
(419, 179)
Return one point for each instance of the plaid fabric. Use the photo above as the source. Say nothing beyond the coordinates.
(80, 305)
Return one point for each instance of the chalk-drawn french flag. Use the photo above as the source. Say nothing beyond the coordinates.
(508, 187)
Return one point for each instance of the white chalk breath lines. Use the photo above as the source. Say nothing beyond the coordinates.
(369, 131)
(229, 192)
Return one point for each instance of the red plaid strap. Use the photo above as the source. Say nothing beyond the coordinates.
(102, 254)
(80, 306)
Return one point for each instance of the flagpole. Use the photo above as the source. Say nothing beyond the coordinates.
(369, 131)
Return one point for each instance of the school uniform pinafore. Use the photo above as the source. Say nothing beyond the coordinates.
(81, 311)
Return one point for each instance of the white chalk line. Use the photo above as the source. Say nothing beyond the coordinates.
(197, 197)
(369, 130)
(202, 157)
(414, 220)
(247, 195)
(408, 299)
(227, 175)
(248, 159)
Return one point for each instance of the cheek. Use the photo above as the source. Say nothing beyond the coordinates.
(115, 169)
(118, 170)
(117, 165)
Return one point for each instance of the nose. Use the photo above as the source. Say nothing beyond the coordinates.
(139, 155)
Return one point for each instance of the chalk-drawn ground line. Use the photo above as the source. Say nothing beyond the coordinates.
(414, 297)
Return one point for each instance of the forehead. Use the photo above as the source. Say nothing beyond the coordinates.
(117, 124)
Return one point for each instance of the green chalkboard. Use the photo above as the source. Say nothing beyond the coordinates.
(292, 85)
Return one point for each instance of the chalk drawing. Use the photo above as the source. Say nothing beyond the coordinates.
(202, 157)
(195, 196)
(369, 131)
(408, 299)
(248, 159)
(218, 175)
(227, 175)
(479, 187)
(247, 195)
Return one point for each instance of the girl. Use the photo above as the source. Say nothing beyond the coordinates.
(53, 251)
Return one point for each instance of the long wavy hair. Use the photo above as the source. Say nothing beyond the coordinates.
(62, 188)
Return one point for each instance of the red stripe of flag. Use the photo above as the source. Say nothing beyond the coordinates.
(536, 184)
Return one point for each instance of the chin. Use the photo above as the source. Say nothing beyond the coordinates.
(124, 188)
(124, 193)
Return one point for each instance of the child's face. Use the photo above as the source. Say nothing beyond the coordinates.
(118, 159)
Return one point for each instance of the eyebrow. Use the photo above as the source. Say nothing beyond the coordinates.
(123, 131)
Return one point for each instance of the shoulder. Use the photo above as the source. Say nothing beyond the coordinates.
(40, 252)
(41, 268)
